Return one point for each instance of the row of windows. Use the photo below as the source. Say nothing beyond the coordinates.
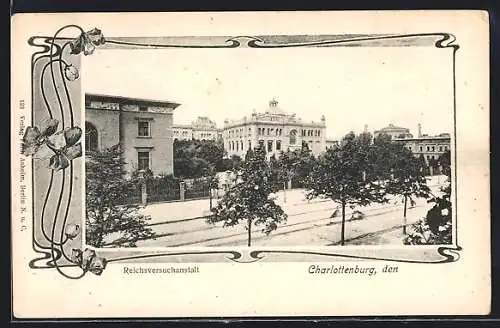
(432, 148)
(238, 132)
(270, 131)
(184, 133)
(311, 133)
(206, 135)
(238, 145)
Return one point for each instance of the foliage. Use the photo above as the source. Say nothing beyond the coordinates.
(248, 201)
(340, 174)
(107, 190)
(192, 158)
(296, 165)
(436, 227)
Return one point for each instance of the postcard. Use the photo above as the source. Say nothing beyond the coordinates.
(245, 164)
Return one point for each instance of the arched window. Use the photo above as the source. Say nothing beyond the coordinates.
(293, 137)
(241, 142)
(91, 137)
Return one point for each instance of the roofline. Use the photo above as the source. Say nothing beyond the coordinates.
(422, 138)
(134, 100)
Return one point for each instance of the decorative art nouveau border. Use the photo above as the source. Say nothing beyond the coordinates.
(52, 141)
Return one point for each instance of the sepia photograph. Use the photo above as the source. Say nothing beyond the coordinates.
(303, 146)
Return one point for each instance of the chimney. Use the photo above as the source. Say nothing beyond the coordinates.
(419, 130)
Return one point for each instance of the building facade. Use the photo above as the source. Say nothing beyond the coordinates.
(142, 128)
(201, 129)
(430, 147)
(276, 130)
(331, 143)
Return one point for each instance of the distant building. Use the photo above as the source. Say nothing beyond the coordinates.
(142, 128)
(394, 132)
(201, 129)
(276, 130)
(430, 147)
(331, 143)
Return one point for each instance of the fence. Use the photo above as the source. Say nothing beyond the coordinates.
(167, 189)
(197, 189)
(161, 193)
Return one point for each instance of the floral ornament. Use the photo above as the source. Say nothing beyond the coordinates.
(72, 230)
(86, 42)
(35, 137)
(89, 261)
(65, 146)
(71, 72)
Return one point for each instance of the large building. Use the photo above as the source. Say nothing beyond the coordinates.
(276, 130)
(430, 147)
(142, 128)
(201, 129)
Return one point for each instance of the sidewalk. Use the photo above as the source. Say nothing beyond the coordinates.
(174, 211)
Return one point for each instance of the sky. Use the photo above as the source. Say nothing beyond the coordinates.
(351, 86)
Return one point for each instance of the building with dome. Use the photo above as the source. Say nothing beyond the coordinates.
(276, 130)
(394, 132)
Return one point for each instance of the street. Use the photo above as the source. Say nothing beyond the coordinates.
(182, 224)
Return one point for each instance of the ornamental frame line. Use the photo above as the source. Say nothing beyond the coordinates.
(64, 248)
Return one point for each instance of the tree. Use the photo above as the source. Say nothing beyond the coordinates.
(296, 165)
(248, 201)
(407, 180)
(106, 193)
(436, 227)
(212, 182)
(192, 158)
(340, 174)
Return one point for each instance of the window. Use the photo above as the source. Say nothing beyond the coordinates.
(143, 160)
(143, 108)
(420, 148)
(237, 146)
(433, 148)
(249, 144)
(268, 130)
(278, 144)
(293, 137)
(409, 148)
(91, 137)
(319, 133)
(270, 145)
(241, 143)
(261, 143)
(428, 149)
(143, 128)
(440, 148)
(445, 148)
